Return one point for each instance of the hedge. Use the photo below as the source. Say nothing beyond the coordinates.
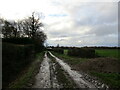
(14, 59)
(82, 52)
(58, 50)
(23, 40)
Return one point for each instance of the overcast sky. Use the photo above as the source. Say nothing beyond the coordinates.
(70, 22)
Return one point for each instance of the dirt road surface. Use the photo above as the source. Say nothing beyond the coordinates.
(47, 77)
(77, 78)
(43, 77)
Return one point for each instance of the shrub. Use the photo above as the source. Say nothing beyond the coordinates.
(82, 52)
(58, 50)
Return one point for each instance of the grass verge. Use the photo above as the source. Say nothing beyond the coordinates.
(111, 79)
(28, 74)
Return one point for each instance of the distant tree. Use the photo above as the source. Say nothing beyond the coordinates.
(46, 45)
(58, 45)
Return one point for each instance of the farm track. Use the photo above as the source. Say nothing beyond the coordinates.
(43, 77)
(47, 77)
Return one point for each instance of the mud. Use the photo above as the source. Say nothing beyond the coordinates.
(53, 77)
(77, 77)
(43, 77)
(54, 73)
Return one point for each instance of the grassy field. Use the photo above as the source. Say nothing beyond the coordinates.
(29, 73)
(114, 53)
(65, 51)
(111, 79)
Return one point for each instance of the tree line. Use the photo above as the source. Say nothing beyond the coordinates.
(29, 27)
(21, 40)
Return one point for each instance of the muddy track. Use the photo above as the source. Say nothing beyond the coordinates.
(77, 77)
(51, 75)
(43, 77)
(59, 78)
(54, 73)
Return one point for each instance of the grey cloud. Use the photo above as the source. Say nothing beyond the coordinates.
(101, 18)
(94, 41)
(103, 30)
(95, 13)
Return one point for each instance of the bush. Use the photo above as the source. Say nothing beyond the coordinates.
(82, 52)
(58, 50)
(14, 59)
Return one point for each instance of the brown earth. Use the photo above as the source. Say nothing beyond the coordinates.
(107, 65)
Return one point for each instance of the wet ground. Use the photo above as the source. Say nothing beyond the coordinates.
(43, 77)
(54, 73)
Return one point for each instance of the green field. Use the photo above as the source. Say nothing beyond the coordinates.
(65, 51)
(114, 53)
(111, 79)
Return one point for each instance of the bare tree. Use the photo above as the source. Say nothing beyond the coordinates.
(25, 24)
(20, 28)
(40, 37)
(15, 29)
(10, 29)
(31, 25)
(7, 29)
(1, 24)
